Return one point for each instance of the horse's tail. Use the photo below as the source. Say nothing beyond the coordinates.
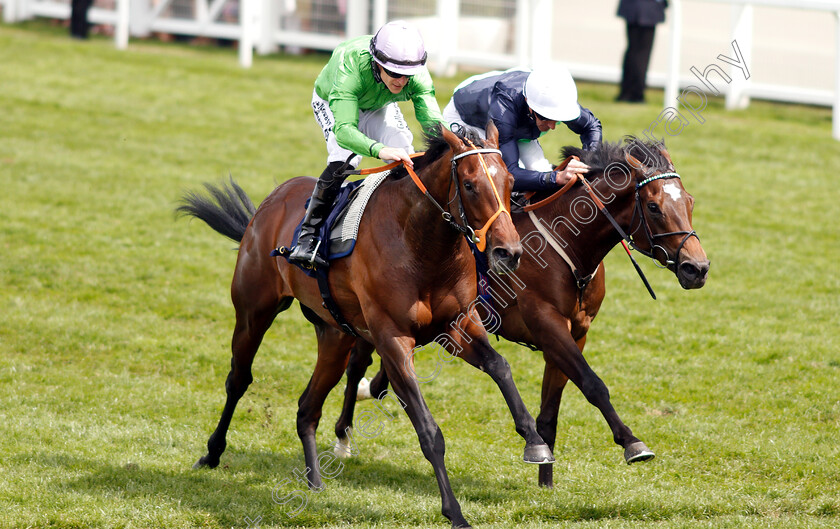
(227, 209)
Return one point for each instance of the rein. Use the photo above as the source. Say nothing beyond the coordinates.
(477, 237)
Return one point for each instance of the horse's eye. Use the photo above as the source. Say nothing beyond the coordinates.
(653, 208)
(468, 186)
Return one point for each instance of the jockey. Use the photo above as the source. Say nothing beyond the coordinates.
(524, 105)
(355, 104)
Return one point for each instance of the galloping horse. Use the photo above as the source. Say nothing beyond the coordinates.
(550, 302)
(411, 278)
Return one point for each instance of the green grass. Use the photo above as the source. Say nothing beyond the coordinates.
(116, 320)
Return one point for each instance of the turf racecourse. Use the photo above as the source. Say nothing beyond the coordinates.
(116, 321)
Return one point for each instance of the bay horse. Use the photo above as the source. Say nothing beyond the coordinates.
(409, 279)
(549, 303)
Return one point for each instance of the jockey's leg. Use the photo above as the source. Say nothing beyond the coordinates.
(320, 205)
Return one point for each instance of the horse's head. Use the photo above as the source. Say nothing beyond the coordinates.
(482, 185)
(662, 220)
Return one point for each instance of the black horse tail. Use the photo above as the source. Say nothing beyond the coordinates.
(227, 209)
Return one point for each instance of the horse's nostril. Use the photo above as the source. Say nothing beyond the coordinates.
(694, 271)
(501, 254)
(688, 269)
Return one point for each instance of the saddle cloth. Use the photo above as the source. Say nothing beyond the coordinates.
(339, 232)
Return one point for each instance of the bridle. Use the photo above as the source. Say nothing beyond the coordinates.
(627, 240)
(652, 237)
(478, 237)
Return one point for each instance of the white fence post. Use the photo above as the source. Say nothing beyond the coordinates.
(737, 95)
(270, 10)
(835, 118)
(448, 13)
(542, 30)
(523, 33)
(672, 82)
(9, 11)
(380, 14)
(139, 17)
(247, 12)
(357, 18)
(121, 27)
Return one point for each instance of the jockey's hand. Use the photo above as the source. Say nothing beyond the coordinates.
(392, 154)
(573, 168)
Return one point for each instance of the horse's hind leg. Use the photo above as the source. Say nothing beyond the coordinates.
(251, 325)
(333, 353)
(360, 360)
(379, 383)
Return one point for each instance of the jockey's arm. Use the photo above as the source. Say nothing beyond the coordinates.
(588, 127)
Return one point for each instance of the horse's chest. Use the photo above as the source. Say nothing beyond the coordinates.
(433, 311)
(421, 314)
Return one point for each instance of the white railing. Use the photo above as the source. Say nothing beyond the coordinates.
(742, 88)
(457, 36)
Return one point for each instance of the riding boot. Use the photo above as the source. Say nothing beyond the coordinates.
(306, 252)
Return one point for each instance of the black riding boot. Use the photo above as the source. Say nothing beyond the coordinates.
(320, 205)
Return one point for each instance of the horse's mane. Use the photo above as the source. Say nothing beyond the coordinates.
(436, 147)
(607, 153)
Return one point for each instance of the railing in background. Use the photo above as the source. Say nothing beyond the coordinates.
(512, 32)
(739, 91)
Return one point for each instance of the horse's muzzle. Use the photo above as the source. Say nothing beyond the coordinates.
(692, 273)
(505, 259)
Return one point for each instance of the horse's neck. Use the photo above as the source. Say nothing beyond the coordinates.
(429, 239)
(585, 233)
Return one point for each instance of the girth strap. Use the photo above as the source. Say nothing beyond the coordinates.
(330, 304)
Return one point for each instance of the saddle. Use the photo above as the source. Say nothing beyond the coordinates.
(339, 232)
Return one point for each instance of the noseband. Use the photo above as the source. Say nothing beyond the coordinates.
(652, 237)
(478, 237)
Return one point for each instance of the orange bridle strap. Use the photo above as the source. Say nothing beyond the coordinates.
(480, 235)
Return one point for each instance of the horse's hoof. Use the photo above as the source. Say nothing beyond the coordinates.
(342, 448)
(363, 393)
(637, 452)
(538, 455)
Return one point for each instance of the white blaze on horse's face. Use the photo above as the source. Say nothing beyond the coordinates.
(672, 190)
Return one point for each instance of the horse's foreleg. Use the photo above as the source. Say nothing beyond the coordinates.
(360, 359)
(561, 350)
(479, 353)
(396, 359)
(251, 326)
(552, 390)
(333, 353)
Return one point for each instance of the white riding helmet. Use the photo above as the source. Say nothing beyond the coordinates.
(551, 93)
(399, 47)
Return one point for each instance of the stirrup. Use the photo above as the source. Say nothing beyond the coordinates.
(309, 261)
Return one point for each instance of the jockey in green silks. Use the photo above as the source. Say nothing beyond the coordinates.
(355, 104)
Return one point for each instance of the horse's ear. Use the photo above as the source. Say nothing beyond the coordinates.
(492, 134)
(634, 163)
(665, 154)
(452, 139)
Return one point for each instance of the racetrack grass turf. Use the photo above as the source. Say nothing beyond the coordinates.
(114, 340)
